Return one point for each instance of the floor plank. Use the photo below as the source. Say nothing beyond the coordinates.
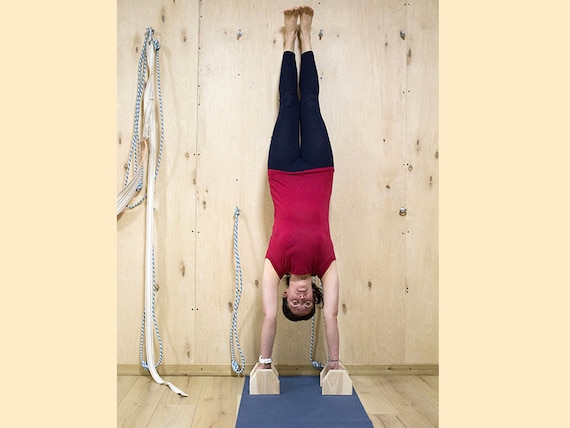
(372, 399)
(414, 408)
(430, 393)
(137, 407)
(124, 384)
(432, 380)
(387, 421)
(175, 411)
(391, 401)
(217, 405)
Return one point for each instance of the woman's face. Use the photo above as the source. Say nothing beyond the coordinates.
(299, 295)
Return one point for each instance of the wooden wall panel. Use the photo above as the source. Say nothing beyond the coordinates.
(361, 58)
(235, 115)
(221, 99)
(422, 184)
(176, 28)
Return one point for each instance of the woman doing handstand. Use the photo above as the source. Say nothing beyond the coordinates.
(300, 178)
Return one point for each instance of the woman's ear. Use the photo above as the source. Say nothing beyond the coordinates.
(285, 294)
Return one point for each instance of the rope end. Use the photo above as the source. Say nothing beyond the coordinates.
(176, 390)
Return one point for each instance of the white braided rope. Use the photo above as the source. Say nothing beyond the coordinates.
(135, 163)
(234, 340)
(146, 90)
(144, 364)
(316, 364)
(134, 155)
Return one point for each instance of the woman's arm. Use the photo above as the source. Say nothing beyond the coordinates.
(270, 302)
(330, 311)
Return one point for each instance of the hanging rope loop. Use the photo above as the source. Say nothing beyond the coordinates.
(316, 364)
(134, 177)
(148, 74)
(234, 340)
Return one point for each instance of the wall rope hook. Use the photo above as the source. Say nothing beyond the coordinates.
(239, 34)
(320, 34)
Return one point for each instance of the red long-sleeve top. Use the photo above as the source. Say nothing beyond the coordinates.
(300, 241)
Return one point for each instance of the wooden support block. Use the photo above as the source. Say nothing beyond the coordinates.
(263, 381)
(335, 381)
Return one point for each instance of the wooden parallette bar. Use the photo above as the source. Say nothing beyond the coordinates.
(336, 381)
(263, 381)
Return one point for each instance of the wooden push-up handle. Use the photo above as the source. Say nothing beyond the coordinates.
(263, 381)
(336, 381)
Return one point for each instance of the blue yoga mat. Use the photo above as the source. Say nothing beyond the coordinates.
(300, 404)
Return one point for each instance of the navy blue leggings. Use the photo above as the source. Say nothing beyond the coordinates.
(313, 150)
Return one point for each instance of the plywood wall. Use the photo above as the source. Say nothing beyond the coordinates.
(377, 61)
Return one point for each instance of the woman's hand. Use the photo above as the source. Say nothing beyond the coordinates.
(333, 365)
(330, 312)
(259, 365)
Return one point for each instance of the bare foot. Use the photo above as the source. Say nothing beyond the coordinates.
(293, 11)
(306, 21)
(290, 17)
(306, 9)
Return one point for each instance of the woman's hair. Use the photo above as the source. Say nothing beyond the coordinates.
(317, 299)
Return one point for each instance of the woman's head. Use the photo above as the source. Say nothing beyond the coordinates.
(301, 297)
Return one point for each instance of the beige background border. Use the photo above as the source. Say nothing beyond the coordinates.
(504, 229)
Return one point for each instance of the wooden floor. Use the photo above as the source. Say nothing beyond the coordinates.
(391, 401)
